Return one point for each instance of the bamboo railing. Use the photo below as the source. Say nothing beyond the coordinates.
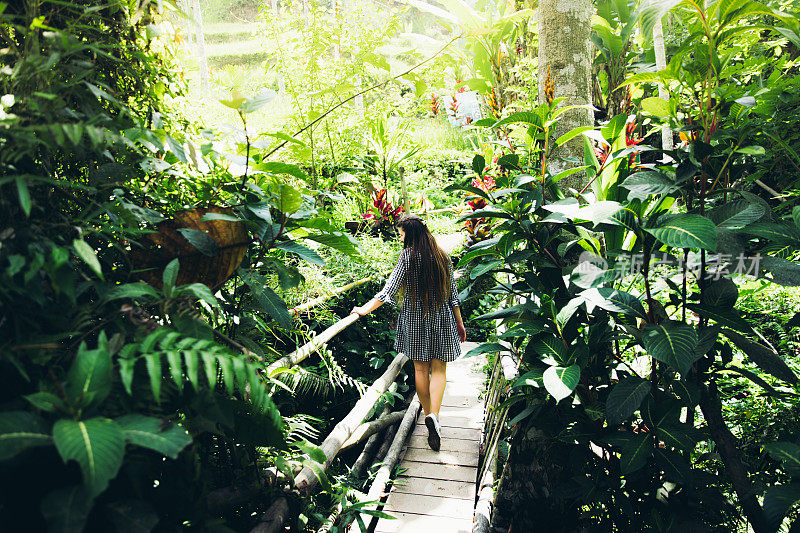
(504, 371)
(310, 304)
(307, 479)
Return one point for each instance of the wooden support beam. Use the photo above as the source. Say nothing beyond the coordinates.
(483, 509)
(368, 429)
(315, 344)
(362, 462)
(307, 479)
(384, 474)
(273, 519)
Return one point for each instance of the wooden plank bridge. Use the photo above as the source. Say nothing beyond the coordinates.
(449, 491)
(436, 491)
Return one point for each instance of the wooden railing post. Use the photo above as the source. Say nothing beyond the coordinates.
(307, 479)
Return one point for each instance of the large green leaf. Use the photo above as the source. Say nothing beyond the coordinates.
(97, 445)
(675, 467)
(201, 240)
(514, 310)
(202, 292)
(635, 453)
(276, 167)
(338, 241)
(766, 359)
(625, 398)
(89, 377)
(774, 231)
(486, 347)
(132, 516)
(615, 301)
(787, 453)
(673, 343)
(269, 301)
(485, 267)
(548, 346)
(254, 103)
(306, 253)
(726, 317)
(560, 382)
(687, 231)
(706, 337)
(736, 214)
(86, 252)
(285, 197)
(721, 294)
(646, 183)
(151, 433)
(782, 271)
(525, 117)
(131, 290)
(66, 510)
(170, 276)
(778, 500)
(20, 430)
(679, 436)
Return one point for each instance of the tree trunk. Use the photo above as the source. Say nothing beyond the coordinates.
(525, 495)
(727, 447)
(661, 63)
(202, 60)
(564, 52)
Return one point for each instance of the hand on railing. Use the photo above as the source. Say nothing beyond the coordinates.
(462, 331)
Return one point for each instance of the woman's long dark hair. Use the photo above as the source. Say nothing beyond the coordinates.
(429, 275)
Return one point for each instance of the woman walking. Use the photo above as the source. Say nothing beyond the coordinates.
(430, 326)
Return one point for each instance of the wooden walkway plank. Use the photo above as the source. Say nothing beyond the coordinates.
(464, 490)
(439, 471)
(416, 523)
(435, 491)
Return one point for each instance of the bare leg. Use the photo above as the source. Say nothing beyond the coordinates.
(437, 383)
(422, 381)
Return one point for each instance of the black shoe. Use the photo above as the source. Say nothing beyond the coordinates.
(434, 438)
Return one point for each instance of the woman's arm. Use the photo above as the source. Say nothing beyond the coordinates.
(367, 307)
(389, 290)
(462, 331)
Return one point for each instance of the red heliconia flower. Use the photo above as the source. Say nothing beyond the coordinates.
(434, 105)
(602, 153)
(630, 134)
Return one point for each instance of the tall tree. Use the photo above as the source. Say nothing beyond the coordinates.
(661, 63)
(201, 44)
(564, 54)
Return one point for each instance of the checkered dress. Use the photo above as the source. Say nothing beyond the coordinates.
(422, 337)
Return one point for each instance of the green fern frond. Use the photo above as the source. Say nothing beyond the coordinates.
(338, 377)
(168, 354)
(301, 427)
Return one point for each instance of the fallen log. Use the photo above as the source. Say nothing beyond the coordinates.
(307, 479)
(222, 500)
(362, 462)
(274, 518)
(370, 428)
(378, 487)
